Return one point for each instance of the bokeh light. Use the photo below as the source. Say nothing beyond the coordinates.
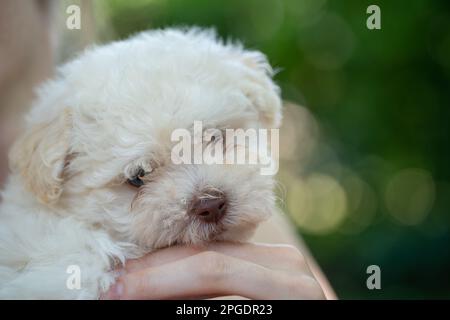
(362, 204)
(271, 11)
(306, 12)
(318, 204)
(328, 43)
(410, 195)
(299, 134)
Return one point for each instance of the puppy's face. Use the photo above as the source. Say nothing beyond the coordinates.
(99, 139)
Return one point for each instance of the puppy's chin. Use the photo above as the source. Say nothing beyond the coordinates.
(196, 232)
(209, 235)
(201, 233)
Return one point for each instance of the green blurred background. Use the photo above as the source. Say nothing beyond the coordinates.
(365, 143)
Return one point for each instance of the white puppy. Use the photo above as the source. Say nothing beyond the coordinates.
(92, 180)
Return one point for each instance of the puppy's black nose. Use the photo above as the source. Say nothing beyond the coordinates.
(209, 208)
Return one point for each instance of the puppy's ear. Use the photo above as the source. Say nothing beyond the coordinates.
(260, 89)
(39, 156)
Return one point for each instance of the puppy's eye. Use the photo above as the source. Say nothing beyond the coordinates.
(136, 181)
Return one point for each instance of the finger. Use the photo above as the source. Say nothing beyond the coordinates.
(273, 256)
(162, 256)
(280, 257)
(210, 274)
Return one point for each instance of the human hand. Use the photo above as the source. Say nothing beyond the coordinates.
(255, 271)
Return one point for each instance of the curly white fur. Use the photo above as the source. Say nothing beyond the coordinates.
(106, 114)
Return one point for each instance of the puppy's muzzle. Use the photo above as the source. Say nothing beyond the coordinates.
(210, 207)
